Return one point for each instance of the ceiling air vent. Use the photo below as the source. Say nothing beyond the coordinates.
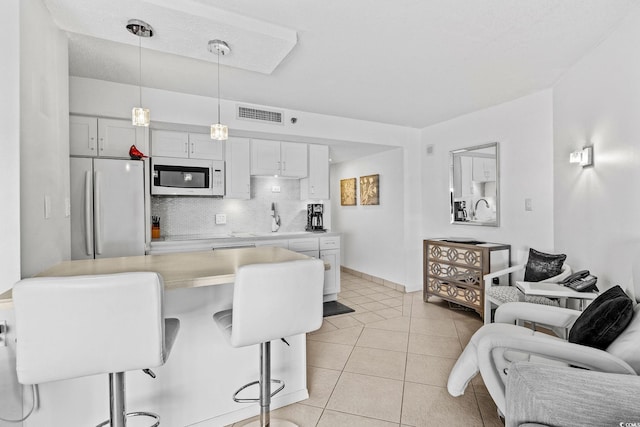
(255, 114)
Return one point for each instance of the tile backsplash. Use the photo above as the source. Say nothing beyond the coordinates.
(197, 215)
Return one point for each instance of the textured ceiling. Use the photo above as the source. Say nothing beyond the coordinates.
(405, 62)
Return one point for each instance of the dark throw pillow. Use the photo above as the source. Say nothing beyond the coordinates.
(541, 266)
(603, 320)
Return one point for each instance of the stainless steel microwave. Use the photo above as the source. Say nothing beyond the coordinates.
(187, 177)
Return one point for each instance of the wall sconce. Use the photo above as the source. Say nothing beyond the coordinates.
(584, 156)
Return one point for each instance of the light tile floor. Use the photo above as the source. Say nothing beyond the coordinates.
(387, 364)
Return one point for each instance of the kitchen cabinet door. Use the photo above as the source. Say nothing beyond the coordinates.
(484, 169)
(237, 169)
(294, 159)
(265, 157)
(201, 146)
(83, 136)
(332, 275)
(165, 143)
(316, 186)
(115, 137)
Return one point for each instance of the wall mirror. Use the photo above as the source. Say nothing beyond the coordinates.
(474, 183)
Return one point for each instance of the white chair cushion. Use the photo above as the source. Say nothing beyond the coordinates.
(504, 294)
(272, 301)
(70, 327)
(627, 345)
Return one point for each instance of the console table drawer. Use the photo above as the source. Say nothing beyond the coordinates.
(464, 256)
(468, 297)
(449, 272)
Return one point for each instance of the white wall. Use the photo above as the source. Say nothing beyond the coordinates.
(597, 209)
(523, 129)
(44, 148)
(107, 99)
(10, 143)
(373, 236)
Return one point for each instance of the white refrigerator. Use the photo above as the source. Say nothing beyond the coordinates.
(107, 208)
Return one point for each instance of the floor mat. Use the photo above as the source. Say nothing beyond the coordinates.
(332, 308)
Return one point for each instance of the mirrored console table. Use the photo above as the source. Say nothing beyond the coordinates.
(454, 269)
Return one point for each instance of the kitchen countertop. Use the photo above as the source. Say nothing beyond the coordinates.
(243, 236)
(197, 242)
(179, 270)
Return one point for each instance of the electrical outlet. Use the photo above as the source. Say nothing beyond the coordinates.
(528, 205)
(221, 219)
(275, 189)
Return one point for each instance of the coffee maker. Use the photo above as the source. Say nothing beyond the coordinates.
(460, 211)
(314, 217)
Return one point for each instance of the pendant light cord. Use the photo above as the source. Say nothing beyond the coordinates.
(140, 66)
(219, 53)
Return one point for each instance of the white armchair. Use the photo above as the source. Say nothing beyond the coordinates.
(494, 347)
(496, 295)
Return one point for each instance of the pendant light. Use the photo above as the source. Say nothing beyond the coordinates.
(219, 131)
(140, 116)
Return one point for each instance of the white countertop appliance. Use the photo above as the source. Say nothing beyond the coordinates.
(187, 177)
(107, 208)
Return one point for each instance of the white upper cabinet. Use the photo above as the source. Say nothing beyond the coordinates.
(316, 186)
(83, 136)
(237, 168)
(201, 146)
(91, 136)
(265, 157)
(294, 159)
(286, 159)
(165, 143)
(484, 169)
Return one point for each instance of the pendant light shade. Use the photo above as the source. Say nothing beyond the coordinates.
(219, 131)
(140, 116)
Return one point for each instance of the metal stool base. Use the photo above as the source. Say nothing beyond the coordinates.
(117, 404)
(136, 414)
(274, 423)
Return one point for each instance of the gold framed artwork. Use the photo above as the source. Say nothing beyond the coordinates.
(348, 192)
(370, 190)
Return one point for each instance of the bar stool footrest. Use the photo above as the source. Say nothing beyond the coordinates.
(136, 414)
(239, 400)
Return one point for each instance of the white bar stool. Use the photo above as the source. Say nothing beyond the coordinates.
(69, 327)
(272, 301)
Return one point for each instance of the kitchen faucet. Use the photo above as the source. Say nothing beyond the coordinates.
(475, 207)
(275, 218)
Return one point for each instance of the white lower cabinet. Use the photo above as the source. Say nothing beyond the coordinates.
(332, 275)
(330, 254)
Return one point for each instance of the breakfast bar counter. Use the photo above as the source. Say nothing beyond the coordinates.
(195, 386)
(180, 270)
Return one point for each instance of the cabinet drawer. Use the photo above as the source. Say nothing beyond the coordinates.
(330, 242)
(449, 254)
(468, 297)
(463, 275)
(299, 245)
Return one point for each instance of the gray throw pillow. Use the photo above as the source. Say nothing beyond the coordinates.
(541, 266)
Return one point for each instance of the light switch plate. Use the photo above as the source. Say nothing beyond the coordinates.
(47, 207)
(221, 219)
(528, 205)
